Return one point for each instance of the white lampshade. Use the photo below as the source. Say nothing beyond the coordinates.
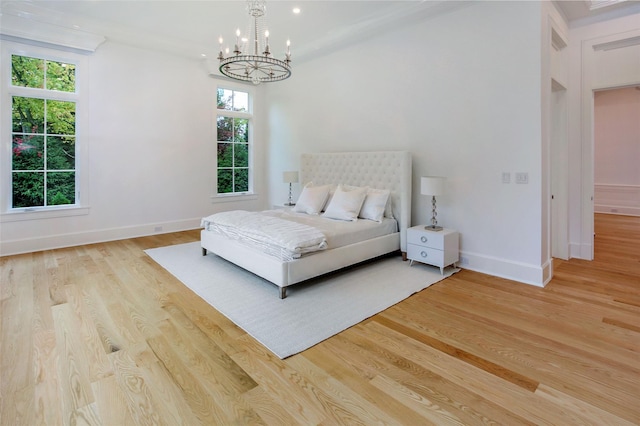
(432, 185)
(290, 177)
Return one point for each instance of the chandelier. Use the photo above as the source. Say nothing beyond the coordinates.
(259, 67)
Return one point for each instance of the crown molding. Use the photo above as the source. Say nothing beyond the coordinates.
(27, 23)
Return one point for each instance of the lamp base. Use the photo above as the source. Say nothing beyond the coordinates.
(433, 228)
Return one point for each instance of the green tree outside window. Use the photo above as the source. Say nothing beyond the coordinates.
(43, 134)
(233, 142)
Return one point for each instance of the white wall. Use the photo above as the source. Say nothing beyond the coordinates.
(151, 151)
(462, 92)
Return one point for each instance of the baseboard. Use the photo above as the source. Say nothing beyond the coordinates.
(537, 275)
(617, 199)
(621, 210)
(580, 251)
(96, 236)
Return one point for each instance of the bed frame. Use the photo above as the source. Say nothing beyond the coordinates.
(382, 170)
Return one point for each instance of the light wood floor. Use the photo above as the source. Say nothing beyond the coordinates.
(100, 334)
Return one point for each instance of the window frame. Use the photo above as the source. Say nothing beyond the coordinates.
(250, 117)
(81, 206)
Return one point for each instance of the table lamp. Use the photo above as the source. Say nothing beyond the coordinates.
(432, 185)
(290, 178)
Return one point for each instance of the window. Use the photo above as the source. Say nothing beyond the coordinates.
(234, 138)
(40, 107)
(43, 134)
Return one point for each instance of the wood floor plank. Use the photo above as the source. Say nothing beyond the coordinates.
(144, 408)
(590, 379)
(16, 341)
(588, 412)
(47, 404)
(111, 402)
(532, 320)
(85, 327)
(529, 408)
(202, 403)
(341, 404)
(208, 358)
(169, 396)
(73, 364)
(339, 365)
(213, 376)
(101, 334)
(441, 395)
(281, 381)
(269, 409)
(431, 411)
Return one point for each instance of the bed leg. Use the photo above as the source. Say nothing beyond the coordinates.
(404, 256)
(204, 251)
(283, 292)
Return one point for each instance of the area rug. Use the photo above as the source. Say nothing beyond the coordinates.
(312, 311)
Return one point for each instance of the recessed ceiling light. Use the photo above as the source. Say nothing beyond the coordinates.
(296, 10)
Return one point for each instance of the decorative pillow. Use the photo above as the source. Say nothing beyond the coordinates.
(374, 204)
(312, 199)
(388, 209)
(346, 204)
(332, 190)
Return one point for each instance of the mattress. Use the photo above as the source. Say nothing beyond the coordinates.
(333, 233)
(340, 233)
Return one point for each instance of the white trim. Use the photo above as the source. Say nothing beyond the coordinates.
(50, 242)
(617, 199)
(17, 215)
(617, 44)
(536, 275)
(231, 198)
(22, 22)
(80, 97)
(250, 116)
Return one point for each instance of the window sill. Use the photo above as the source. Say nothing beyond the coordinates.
(232, 198)
(37, 214)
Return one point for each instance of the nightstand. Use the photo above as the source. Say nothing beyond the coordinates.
(437, 248)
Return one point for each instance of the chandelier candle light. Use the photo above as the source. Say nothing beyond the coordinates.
(259, 67)
(290, 177)
(432, 185)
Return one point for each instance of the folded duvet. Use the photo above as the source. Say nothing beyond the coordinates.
(278, 237)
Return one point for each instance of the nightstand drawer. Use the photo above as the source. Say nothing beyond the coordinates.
(427, 239)
(425, 254)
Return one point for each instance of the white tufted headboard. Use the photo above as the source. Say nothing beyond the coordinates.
(382, 170)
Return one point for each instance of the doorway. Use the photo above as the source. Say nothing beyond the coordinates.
(616, 137)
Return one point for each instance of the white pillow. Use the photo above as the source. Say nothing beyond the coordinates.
(332, 190)
(346, 204)
(388, 210)
(374, 204)
(312, 199)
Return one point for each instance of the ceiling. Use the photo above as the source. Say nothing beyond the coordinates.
(192, 28)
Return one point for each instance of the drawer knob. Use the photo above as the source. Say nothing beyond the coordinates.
(423, 253)
(423, 239)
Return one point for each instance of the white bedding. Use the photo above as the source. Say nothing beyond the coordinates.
(340, 233)
(287, 235)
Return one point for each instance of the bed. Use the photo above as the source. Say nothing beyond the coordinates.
(382, 170)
